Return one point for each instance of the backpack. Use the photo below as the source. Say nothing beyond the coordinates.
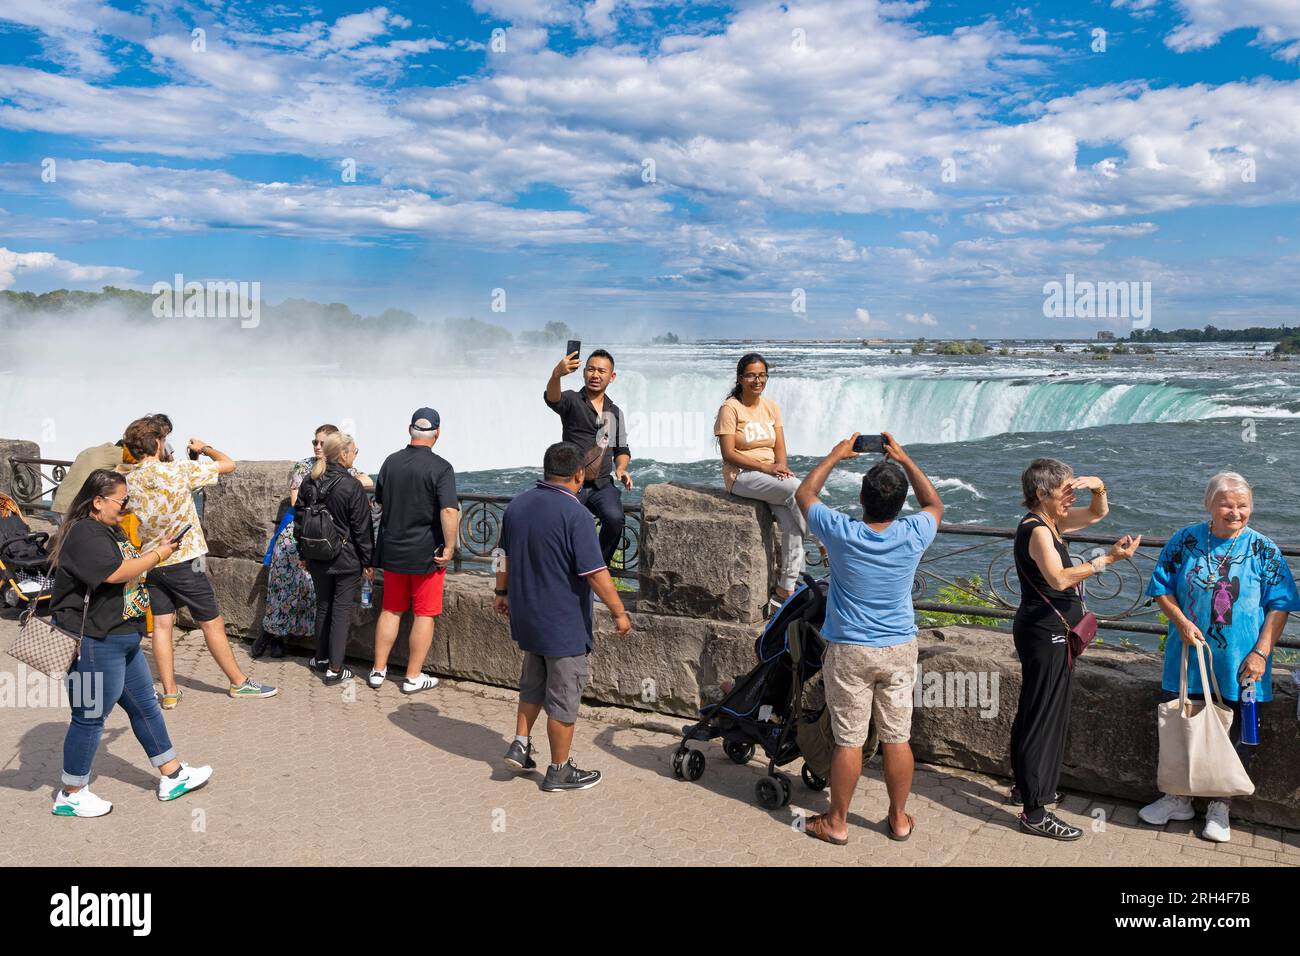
(320, 538)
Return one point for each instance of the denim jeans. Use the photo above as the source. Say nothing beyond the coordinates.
(124, 678)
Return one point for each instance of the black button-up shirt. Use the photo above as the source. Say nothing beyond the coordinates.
(587, 428)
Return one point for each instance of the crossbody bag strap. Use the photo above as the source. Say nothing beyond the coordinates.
(85, 609)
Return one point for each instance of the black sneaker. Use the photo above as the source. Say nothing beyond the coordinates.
(277, 647)
(320, 667)
(330, 678)
(259, 645)
(1015, 798)
(519, 757)
(569, 777)
(1051, 826)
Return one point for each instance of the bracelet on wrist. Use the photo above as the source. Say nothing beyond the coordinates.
(500, 592)
(1262, 656)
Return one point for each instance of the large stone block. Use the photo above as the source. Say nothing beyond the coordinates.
(663, 665)
(1112, 748)
(18, 448)
(240, 512)
(240, 586)
(705, 553)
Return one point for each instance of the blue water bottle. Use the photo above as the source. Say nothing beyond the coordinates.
(366, 591)
(1249, 716)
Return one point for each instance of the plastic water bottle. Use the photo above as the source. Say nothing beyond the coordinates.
(1249, 715)
(366, 591)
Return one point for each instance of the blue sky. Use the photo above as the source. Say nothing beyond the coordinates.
(915, 169)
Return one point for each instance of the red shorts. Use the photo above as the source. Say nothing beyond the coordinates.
(420, 592)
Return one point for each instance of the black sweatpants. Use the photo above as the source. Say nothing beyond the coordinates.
(1043, 716)
(607, 505)
(336, 596)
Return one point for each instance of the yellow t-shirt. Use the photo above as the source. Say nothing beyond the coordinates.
(754, 430)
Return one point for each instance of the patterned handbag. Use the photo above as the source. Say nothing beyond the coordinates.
(46, 647)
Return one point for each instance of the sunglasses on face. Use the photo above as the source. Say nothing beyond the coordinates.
(121, 503)
(755, 376)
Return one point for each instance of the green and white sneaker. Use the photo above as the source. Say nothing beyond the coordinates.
(250, 688)
(83, 803)
(190, 778)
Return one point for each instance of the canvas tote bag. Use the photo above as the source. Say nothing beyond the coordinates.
(1197, 758)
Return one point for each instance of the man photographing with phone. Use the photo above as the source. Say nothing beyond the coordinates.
(593, 423)
(869, 666)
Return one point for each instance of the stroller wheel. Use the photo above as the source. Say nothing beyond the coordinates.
(773, 792)
(812, 781)
(694, 765)
(738, 752)
(679, 758)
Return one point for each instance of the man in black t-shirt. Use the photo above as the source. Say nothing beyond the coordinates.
(595, 424)
(418, 533)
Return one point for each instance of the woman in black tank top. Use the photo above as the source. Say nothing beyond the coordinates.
(1049, 591)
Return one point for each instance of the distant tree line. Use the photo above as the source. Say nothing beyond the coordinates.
(1256, 333)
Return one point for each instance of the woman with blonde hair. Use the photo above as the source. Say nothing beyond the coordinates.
(337, 579)
(1225, 585)
(290, 597)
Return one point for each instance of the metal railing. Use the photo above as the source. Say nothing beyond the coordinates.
(480, 531)
(29, 477)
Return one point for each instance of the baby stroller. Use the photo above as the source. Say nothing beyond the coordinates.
(768, 707)
(25, 577)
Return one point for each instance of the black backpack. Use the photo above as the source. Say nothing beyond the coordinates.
(320, 538)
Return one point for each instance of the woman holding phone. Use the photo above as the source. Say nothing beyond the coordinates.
(752, 437)
(1051, 603)
(99, 592)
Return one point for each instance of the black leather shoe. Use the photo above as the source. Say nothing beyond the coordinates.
(259, 645)
(277, 647)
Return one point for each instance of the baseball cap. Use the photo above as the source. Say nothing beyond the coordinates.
(425, 419)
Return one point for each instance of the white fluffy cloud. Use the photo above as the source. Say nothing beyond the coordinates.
(12, 263)
(1204, 22)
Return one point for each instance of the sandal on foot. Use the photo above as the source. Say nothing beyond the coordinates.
(911, 828)
(169, 701)
(815, 827)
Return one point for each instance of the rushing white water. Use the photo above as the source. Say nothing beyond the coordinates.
(494, 417)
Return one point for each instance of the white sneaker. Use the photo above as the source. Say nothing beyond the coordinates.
(1216, 822)
(83, 803)
(422, 682)
(1168, 807)
(377, 678)
(190, 778)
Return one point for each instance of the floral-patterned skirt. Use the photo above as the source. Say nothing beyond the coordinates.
(290, 596)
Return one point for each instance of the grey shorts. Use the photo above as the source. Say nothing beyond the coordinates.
(554, 682)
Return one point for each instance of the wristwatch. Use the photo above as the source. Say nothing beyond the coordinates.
(500, 592)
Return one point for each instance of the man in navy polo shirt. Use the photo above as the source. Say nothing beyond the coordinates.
(548, 563)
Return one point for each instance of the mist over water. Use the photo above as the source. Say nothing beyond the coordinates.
(259, 393)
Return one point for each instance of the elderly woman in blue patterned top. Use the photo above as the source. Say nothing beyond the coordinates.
(1223, 584)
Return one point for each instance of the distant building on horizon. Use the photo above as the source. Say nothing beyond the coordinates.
(1105, 336)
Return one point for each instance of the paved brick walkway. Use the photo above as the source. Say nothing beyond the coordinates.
(323, 776)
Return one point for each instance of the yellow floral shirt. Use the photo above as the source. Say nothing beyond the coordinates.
(162, 497)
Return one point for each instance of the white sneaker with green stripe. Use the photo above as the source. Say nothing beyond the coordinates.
(251, 688)
(190, 778)
(83, 803)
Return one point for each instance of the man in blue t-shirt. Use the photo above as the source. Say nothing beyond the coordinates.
(548, 563)
(869, 668)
